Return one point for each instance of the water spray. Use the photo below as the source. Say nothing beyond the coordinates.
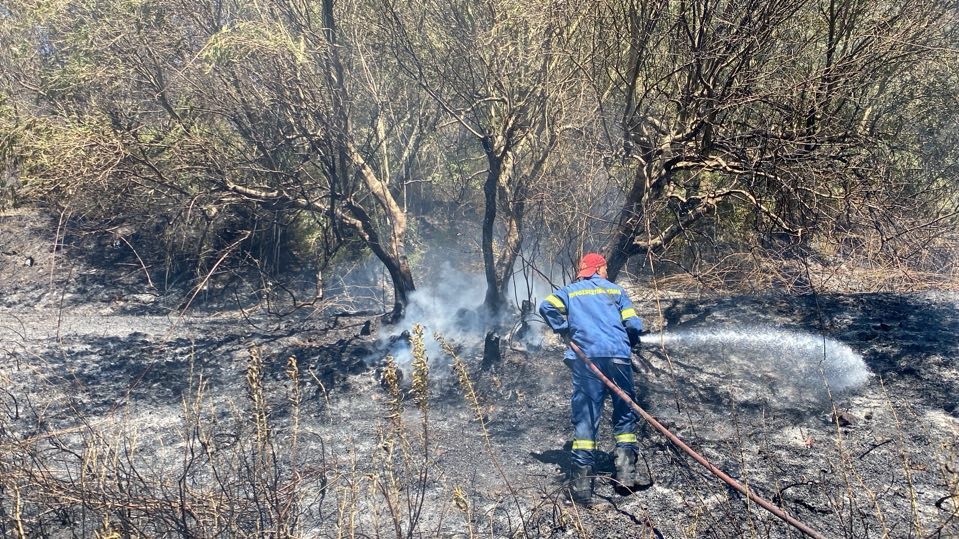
(762, 502)
(801, 361)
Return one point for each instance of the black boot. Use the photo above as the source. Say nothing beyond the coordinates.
(631, 471)
(581, 485)
(625, 467)
(642, 477)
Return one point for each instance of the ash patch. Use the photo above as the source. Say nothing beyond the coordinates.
(156, 412)
(509, 470)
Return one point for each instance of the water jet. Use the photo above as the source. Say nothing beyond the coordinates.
(790, 364)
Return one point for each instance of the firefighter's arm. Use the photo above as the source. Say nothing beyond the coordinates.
(553, 310)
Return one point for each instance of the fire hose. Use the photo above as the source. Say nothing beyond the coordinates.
(759, 500)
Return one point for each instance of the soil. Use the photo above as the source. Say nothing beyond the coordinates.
(96, 363)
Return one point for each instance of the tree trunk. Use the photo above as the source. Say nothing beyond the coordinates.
(514, 207)
(399, 269)
(495, 299)
(496, 190)
(620, 246)
(629, 240)
(504, 268)
(391, 253)
(396, 263)
(618, 253)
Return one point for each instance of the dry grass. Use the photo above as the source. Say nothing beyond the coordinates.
(867, 268)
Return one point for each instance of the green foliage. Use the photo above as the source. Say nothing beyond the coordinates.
(196, 126)
(245, 41)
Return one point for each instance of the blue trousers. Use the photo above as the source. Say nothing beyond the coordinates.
(589, 394)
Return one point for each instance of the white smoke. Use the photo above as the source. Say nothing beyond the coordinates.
(446, 303)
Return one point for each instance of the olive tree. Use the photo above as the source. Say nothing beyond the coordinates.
(171, 111)
(782, 111)
(500, 72)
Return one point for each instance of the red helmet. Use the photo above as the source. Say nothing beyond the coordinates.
(589, 264)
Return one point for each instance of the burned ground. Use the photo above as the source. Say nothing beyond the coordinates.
(121, 412)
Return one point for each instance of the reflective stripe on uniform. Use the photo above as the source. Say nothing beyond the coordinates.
(628, 438)
(595, 291)
(554, 300)
(628, 313)
(587, 445)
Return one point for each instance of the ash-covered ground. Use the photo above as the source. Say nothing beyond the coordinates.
(121, 411)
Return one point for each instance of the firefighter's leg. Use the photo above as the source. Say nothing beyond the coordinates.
(630, 470)
(587, 408)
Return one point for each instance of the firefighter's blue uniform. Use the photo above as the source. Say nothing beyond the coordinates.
(598, 316)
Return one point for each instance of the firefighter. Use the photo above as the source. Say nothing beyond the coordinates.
(598, 316)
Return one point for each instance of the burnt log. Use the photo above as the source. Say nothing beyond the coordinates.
(492, 353)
